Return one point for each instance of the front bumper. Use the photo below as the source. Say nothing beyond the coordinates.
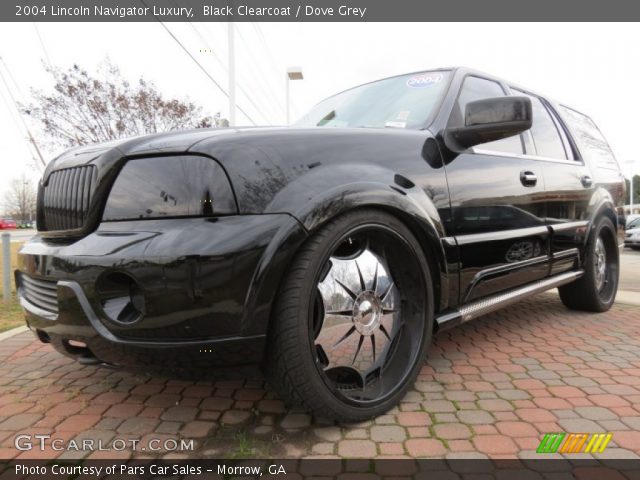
(204, 289)
(631, 242)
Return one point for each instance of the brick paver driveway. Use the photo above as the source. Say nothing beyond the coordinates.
(491, 387)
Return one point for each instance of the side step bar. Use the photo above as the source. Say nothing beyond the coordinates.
(469, 311)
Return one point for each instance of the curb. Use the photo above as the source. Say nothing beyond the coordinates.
(13, 332)
(628, 297)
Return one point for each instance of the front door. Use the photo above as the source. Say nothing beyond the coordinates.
(497, 208)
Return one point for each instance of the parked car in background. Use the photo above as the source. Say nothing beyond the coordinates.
(330, 251)
(27, 225)
(632, 234)
(7, 223)
(633, 221)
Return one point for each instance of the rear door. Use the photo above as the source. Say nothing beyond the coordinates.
(498, 207)
(568, 182)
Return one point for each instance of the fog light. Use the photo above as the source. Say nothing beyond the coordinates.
(121, 298)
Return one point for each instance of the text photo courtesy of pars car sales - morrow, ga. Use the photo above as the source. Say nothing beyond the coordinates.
(319, 239)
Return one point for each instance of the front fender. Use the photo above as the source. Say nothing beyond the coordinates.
(319, 196)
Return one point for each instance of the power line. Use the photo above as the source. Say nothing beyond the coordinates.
(195, 60)
(44, 49)
(204, 70)
(242, 90)
(267, 86)
(16, 123)
(271, 58)
(223, 66)
(12, 78)
(26, 127)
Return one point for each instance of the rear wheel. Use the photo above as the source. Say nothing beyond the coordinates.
(353, 319)
(596, 290)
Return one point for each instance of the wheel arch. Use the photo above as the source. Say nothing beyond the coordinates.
(413, 208)
(603, 205)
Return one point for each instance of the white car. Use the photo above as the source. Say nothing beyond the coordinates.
(632, 237)
(633, 221)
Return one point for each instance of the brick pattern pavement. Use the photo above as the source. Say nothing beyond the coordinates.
(490, 388)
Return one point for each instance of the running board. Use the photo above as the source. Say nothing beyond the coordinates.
(474, 309)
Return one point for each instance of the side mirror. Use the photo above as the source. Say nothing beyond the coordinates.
(490, 119)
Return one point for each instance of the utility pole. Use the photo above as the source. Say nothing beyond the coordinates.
(232, 74)
(631, 173)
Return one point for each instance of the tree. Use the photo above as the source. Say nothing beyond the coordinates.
(85, 109)
(20, 199)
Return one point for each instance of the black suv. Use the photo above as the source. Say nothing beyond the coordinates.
(330, 251)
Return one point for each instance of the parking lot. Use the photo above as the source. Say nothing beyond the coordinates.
(492, 387)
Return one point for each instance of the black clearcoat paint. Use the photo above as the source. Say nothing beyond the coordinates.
(210, 283)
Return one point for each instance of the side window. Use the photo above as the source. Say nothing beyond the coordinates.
(546, 137)
(590, 140)
(476, 88)
(565, 140)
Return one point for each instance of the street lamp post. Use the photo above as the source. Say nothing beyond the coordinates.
(293, 73)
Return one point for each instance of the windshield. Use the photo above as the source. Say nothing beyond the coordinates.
(635, 223)
(406, 101)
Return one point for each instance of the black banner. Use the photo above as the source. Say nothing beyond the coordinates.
(341, 469)
(316, 10)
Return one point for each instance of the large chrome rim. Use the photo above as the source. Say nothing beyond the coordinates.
(367, 327)
(600, 260)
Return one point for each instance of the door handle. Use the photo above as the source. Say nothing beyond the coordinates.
(586, 181)
(528, 179)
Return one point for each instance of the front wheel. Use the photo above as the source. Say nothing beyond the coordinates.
(596, 290)
(353, 318)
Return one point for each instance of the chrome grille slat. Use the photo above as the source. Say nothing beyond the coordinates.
(39, 292)
(66, 198)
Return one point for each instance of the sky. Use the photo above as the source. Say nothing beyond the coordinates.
(592, 67)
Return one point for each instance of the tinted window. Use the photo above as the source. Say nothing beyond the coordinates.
(546, 137)
(476, 88)
(565, 140)
(591, 142)
(169, 187)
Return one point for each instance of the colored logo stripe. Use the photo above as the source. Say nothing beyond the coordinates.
(598, 443)
(550, 443)
(574, 442)
(562, 442)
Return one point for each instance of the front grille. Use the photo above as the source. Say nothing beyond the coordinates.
(64, 200)
(41, 293)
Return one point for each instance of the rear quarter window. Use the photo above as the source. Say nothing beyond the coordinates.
(591, 143)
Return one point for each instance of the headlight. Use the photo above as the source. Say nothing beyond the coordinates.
(169, 187)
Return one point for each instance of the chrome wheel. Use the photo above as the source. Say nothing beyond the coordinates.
(600, 267)
(365, 333)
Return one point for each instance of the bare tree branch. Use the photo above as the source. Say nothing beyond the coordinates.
(85, 109)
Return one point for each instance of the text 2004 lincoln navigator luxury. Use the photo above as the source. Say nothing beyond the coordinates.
(332, 250)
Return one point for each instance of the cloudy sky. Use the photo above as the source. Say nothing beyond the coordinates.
(592, 67)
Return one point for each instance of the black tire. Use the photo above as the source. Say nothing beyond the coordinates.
(588, 293)
(298, 364)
